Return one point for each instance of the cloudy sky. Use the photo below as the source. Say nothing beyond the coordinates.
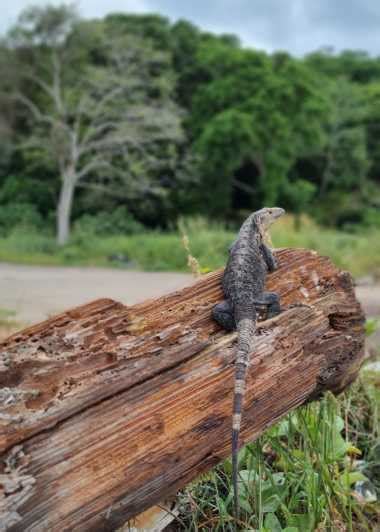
(298, 26)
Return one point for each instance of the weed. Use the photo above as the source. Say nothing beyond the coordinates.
(7, 322)
(300, 475)
(209, 242)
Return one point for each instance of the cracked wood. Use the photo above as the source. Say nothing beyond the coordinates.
(107, 409)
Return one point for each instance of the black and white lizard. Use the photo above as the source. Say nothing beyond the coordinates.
(243, 285)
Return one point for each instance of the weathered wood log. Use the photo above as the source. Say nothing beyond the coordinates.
(107, 409)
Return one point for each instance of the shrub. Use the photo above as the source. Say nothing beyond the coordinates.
(117, 222)
(300, 475)
(372, 217)
(30, 241)
(14, 215)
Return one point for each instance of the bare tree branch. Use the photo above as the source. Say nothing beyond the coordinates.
(93, 165)
(57, 88)
(94, 112)
(132, 194)
(41, 83)
(106, 123)
(94, 132)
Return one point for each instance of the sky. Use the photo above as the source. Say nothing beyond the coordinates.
(297, 26)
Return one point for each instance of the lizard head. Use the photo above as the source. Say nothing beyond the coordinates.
(266, 216)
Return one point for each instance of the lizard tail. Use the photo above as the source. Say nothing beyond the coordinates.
(246, 330)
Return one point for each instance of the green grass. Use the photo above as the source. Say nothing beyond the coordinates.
(8, 323)
(359, 253)
(159, 251)
(301, 475)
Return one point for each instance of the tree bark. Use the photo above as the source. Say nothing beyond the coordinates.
(64, 208)
(108, 409)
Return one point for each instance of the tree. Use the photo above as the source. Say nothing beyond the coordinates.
(372, 124)
(91, 121)
(297, 195)
(354, 65)
(346, 161)
(255, 108)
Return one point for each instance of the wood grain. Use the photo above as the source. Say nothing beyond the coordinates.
(106, 409)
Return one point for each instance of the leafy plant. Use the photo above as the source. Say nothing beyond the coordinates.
(21, 215)
(162, 251)
(118, 222)
(7, 321)
(371, 326)
(298, 477)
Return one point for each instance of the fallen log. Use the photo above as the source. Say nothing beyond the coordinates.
(106, 409)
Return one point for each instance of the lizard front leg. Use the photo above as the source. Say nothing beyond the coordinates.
(269, 258)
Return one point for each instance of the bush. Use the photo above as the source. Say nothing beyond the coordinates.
(300, 475)
(30, 241)
(372, 217)
(117, 222)
(357, 252)
(23, 215)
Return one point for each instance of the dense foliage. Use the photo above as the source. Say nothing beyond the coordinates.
(165, 120)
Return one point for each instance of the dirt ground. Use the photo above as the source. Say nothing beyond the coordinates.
(35, 293)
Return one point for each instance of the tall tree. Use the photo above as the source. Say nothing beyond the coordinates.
(372, 123)
(92, 121)
(346, 160)
(266, 110)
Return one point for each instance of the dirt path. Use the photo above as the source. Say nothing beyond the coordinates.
(35, 292)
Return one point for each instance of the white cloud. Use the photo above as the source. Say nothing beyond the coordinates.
(298, 26)
(87, 8)
(99, 8)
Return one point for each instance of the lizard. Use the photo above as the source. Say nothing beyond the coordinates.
(243, 282)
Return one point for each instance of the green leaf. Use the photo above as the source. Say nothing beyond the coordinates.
(339, 423)
(272, 523)
(279, 478)
(371, 326)
(347, 479)
(297, 453)
(249, 477)
(222, 507)
(301, 522)
(271, 504)
(282, 428)
(244, 503)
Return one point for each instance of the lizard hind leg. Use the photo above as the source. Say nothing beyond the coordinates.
(223, 314)
(273, 304)
(271, 301)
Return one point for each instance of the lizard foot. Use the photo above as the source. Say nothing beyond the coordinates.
(222, 314)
